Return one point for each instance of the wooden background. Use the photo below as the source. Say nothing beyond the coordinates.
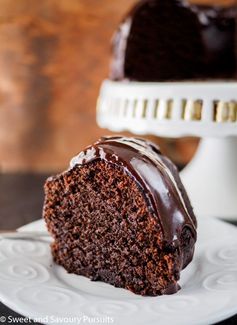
(53, 56)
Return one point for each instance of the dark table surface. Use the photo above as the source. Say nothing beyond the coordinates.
(21, 201)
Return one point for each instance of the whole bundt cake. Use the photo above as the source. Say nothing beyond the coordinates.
(120, 214)
(170, 40)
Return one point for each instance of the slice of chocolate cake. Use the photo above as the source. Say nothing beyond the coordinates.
(121, 215)
(172, 40)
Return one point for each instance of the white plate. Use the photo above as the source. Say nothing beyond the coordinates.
(32, 285)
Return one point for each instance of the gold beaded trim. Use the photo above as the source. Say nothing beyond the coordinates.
(191, 110)
(225, 111)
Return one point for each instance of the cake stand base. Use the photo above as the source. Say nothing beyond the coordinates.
(211, 178)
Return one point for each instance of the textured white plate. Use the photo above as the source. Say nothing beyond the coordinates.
(31, 284)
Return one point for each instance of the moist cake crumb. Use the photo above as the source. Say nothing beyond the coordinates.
(120, 215)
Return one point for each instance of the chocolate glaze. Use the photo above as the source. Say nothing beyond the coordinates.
(173, 40)
(159, 180)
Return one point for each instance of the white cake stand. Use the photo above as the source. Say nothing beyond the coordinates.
(204, 109)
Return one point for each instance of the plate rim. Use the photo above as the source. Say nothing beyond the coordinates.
(217, 317)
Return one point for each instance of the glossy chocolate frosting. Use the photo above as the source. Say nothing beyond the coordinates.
(157, 177)
(166, 40)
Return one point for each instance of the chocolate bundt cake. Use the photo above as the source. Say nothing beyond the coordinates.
(172, 40)
(120, 215)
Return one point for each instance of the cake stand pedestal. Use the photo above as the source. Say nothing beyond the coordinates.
(211, 178)
(204, 109)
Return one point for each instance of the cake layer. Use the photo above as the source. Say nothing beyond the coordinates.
(120, 215)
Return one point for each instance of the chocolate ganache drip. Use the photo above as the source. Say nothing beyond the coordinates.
(156, 176)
